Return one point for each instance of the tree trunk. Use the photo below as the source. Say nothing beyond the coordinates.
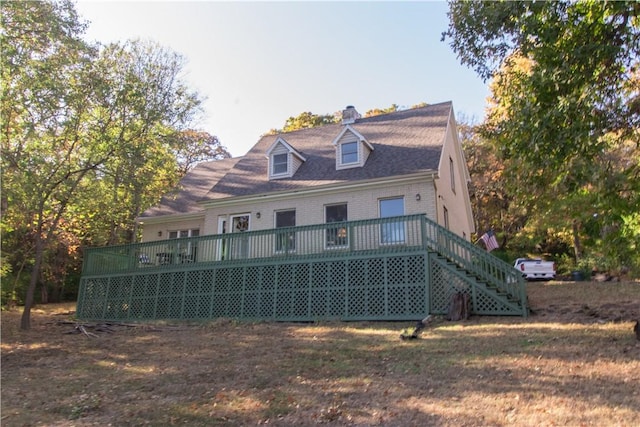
(25, 322)
(56, 292)
(44, 293)
(577, 244)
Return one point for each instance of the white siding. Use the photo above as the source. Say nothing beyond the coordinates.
(361, 204)
(295, 163)
(150, 231)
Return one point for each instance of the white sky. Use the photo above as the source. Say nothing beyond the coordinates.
(259, 63)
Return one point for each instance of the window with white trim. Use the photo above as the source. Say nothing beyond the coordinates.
(280, 164)
(349, 152)
(183, 251)
(194, 232)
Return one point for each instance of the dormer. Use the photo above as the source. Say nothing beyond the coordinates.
(284, 160)
(352, 149)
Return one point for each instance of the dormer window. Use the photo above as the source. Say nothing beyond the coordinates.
(284, 160)
(280, 164)
(349, 152)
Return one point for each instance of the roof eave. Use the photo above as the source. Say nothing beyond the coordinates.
(169, 217)
(338, 187)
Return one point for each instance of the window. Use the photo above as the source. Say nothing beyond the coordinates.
(349, 152)
(184, 233)
(185, 251)
(240, 223)
(336, 235)
(445, 212)
(453, 175)
(280, 164)
(285, 240)
(392, 232)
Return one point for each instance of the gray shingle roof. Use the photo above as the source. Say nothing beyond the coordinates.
(192, 188)
(404, 142)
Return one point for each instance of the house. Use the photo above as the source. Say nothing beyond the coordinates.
(401, 163)
(367, 219)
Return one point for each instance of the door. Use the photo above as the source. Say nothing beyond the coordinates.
(392, 233)
(239, 245)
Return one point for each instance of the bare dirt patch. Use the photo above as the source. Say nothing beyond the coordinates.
(574, 362)
(585, 302)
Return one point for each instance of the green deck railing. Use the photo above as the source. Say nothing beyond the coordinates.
(388, 235)
(388, 239)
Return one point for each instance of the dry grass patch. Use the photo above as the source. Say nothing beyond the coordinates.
(575, 362)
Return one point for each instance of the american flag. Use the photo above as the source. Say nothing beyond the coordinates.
(490, 241)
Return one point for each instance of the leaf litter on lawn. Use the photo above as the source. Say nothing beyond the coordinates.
(575, 361)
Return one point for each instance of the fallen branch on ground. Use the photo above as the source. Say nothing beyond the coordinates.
(111, 327)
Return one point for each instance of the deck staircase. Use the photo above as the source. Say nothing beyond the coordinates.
(456, 265)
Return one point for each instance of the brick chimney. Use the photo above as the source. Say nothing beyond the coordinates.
(350, 115)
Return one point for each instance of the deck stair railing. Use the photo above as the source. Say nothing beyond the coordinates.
(480, 266)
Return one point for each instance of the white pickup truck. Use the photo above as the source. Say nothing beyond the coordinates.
(536, 268)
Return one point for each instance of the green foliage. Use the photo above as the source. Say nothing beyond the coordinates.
(306, 120)
(564, 118)
(86, 140)
(493, 204)
(378, 111)
(191, 147)
(615, 245)
(310, 120)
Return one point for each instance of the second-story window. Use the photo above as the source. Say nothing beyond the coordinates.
(349, 152)
(280, 164)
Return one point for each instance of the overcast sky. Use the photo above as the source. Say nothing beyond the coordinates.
(258, 63)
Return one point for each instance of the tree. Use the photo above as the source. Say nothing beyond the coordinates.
(391, 109)
(77, 117)
(192, 147)
(310, 120)
(41, 118)
(563, 76)
(493, 205)
(150, 103)
(378, 111)
(581, 57)
(306, 120)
